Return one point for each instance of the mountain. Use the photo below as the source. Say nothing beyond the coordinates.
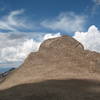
(60, 70)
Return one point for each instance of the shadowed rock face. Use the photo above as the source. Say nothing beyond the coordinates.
(71, 89)
(62, 58)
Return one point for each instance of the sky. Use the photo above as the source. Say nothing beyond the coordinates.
(25, 24)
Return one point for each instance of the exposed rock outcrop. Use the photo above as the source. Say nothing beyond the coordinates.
(60, 58)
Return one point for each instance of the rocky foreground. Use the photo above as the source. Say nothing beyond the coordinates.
(60, 70)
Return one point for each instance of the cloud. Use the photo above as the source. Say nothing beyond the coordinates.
(97, 2)
(16, 49)
(13, 22)
(15, 45)
(49, 35)
(66, 22)
(19, 52)
(11, 18)
(96, 5)
(90, 39)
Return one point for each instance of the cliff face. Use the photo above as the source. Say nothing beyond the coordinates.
(57, 59)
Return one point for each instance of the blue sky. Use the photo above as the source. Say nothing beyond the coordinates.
(25, 24)
(36, 11)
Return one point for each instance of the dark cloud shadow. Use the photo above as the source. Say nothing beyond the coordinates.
(72, 89)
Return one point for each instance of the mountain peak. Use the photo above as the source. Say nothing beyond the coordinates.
(63, 42)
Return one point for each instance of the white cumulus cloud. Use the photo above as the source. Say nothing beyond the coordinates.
(49, 35)
(16, 49)
(67, 22)
(90, 39)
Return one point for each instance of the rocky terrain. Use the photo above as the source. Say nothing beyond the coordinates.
(60, 70)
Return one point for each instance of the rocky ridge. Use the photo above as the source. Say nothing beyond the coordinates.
(58, 61)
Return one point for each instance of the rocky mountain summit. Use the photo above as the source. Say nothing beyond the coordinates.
(60, 70)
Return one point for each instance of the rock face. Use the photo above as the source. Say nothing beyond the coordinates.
(60, 70)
